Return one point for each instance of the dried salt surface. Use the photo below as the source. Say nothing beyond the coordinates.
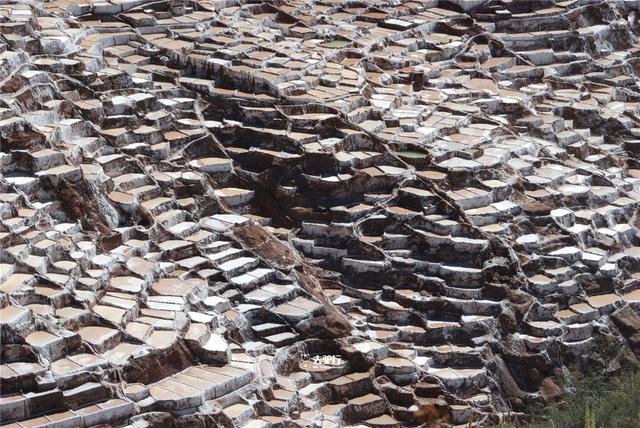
(311, 213)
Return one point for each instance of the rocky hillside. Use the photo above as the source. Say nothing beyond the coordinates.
(314, 213)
